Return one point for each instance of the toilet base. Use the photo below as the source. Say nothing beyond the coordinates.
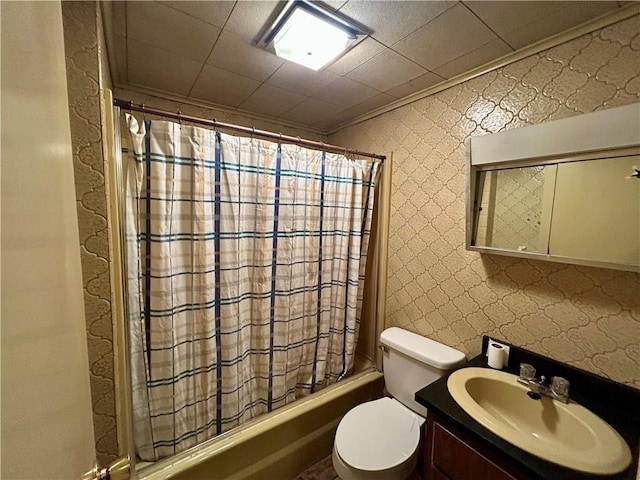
(404, 471)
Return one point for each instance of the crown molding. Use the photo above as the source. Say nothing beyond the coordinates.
(214, 106)
(597, 23)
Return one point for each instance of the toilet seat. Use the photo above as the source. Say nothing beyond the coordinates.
(378, 435)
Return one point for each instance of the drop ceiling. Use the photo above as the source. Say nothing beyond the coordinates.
(203, 51)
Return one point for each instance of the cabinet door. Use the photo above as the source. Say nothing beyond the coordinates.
(453, 454)
(459, 461)
(596, 212)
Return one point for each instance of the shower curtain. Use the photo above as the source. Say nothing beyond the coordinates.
(245, 267)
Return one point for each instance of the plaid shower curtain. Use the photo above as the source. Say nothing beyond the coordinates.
(245, 263)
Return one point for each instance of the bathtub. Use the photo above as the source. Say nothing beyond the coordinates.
(276, 446)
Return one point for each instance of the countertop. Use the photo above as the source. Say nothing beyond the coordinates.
(617, 404)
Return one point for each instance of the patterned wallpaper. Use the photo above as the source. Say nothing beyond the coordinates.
(587, 317)
(83, 83)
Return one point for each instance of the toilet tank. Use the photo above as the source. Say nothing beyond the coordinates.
(411, 362)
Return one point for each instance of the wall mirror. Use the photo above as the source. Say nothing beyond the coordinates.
(565, 191)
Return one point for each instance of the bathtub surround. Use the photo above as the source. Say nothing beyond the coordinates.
(586, 317)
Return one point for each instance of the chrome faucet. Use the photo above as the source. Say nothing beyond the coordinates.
(558, 390)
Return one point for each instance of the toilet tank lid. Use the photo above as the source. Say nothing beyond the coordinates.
(422, 349)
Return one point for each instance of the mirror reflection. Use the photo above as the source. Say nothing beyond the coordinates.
(513, 208)
(585, 212)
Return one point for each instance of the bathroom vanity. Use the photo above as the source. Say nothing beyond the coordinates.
(457, 447)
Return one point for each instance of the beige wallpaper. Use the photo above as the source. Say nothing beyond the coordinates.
(83, 83)
(587, 317)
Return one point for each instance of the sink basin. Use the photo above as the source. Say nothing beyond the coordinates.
(565, 434)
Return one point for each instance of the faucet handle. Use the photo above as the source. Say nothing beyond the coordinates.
(560, 386)
(527, 372)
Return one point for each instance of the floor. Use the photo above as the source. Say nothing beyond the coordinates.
(323, 470)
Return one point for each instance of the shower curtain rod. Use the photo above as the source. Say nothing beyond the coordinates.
(128, 105)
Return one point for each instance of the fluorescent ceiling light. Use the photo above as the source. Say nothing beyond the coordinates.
(308, 35)
(309, 40)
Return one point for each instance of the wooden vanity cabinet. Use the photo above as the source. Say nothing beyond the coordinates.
(452, 454)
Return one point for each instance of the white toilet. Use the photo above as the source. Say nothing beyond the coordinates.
(379, 440)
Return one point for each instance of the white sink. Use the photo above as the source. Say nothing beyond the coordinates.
(565, 434)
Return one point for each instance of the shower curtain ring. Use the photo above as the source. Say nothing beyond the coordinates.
(179, 117)
(215, 124)
(253, 132)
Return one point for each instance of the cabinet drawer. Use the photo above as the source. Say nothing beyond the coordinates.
(459, 461)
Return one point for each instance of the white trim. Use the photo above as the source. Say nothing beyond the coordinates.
(602, 21)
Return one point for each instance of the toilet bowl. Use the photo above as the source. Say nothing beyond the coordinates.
(377, 440)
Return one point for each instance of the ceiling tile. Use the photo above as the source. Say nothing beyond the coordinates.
(370, 104)
(333, 121)
(386, 70)
(271, 100)
(454, 33)
(345, 92)
(571, 15)
(311, 112)
(119, 67)
(335, 4)
(248, 18)
(215, 13)
(511, 15)
(117, 17)
(301, 79)
(178, 47)
(486, 53)
(222, 87)
(366, 49)
(237, 54)
(415, 85)
(393, 20)
(169, 29)
(147, 66)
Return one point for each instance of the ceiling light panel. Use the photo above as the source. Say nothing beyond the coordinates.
(310, 35)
